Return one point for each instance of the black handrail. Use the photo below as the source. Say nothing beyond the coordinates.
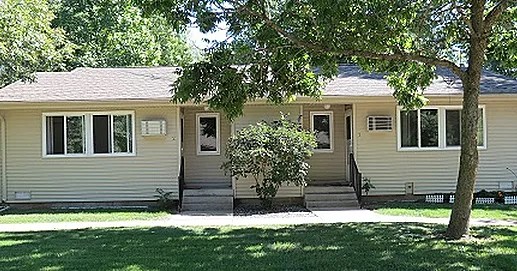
(181, 180)
(356, 178)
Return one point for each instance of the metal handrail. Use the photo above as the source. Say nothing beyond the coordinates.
(356, 178)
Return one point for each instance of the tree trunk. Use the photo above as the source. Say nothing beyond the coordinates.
(459, 220)
(460, 216)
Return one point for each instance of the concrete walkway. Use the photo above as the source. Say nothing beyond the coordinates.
(207, 220)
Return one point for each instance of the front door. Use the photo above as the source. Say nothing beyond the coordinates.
(349, 139)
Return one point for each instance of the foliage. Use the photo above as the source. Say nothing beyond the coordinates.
(28, 42)
(367, 185)
(502, 52)
(299, 44)
(165, 200)
(114, 33)
(273, 153)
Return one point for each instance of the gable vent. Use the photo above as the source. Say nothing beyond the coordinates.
(380, 123)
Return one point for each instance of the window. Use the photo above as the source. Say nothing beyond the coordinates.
(112, 133)
(207, 128)
(453, 127)
(322, 127)
(434, 128)
(73, 134)
(65, 135)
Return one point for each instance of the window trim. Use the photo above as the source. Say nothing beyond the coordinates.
(218, 134)
(331, 129)
(88, 133)
(442, 144)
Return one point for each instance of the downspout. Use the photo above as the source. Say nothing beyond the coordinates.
(4, 172)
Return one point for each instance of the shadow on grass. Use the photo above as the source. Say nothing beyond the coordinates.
(306, 247)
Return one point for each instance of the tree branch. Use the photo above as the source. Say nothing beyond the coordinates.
(494, 14)
(357, 53)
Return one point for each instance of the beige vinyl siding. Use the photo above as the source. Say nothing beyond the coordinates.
(54, 179)
(328, 166)
(252, 115)
(203, 168)
(433, 170)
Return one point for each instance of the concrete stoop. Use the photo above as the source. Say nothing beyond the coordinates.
(208, 200)
(330, 198)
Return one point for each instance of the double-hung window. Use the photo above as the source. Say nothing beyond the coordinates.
(322, 127)
(208, 138)
(84, 134)
(434, 128)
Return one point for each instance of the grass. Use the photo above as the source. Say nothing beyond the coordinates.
(94, 215)
(360, 246)
(498, 212)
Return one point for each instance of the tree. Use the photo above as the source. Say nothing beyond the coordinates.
(28, 42)
(502, 51)
(114, 33)
(273, 154)
(280, 43)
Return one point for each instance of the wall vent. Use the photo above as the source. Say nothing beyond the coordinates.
(154, 127)
(380, 123)
(22, 195)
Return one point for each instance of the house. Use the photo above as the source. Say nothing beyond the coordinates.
(97, 135)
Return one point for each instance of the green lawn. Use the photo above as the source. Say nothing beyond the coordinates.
(47, 216)
(304, 247)
(500, 212)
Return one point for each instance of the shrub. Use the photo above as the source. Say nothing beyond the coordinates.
(165, 200)
(273, 153)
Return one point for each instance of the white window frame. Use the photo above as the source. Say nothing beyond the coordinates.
(65, 135)
(218, 134)
(442, 133)
(331, 128)
(88, 134)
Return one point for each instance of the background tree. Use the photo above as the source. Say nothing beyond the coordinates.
(114, 33)
(274, 154)
(279, 43)
(28, 42)
(502, 51)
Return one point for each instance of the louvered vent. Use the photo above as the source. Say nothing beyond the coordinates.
(380, 123)
(154, 127)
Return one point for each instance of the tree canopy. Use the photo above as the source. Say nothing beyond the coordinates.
(54, 35)
(280, 49)
(28, 42)
(113, 33)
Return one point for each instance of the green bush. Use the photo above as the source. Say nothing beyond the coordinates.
(273, 153)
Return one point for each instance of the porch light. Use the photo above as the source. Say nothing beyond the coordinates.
(327, 106)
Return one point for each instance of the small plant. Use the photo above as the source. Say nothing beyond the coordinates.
(165, 200)
(367, 185)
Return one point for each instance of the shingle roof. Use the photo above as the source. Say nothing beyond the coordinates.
(352, 81)
(154, 83)
(94, 84)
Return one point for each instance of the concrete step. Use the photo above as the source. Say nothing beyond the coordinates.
(213, 192)
(207, 200)
(315, 209)
(207, 185)
(207, 207)
(331, 204)
(336, 196)
(328, 189)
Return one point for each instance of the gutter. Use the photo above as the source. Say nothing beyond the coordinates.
(3, 181)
